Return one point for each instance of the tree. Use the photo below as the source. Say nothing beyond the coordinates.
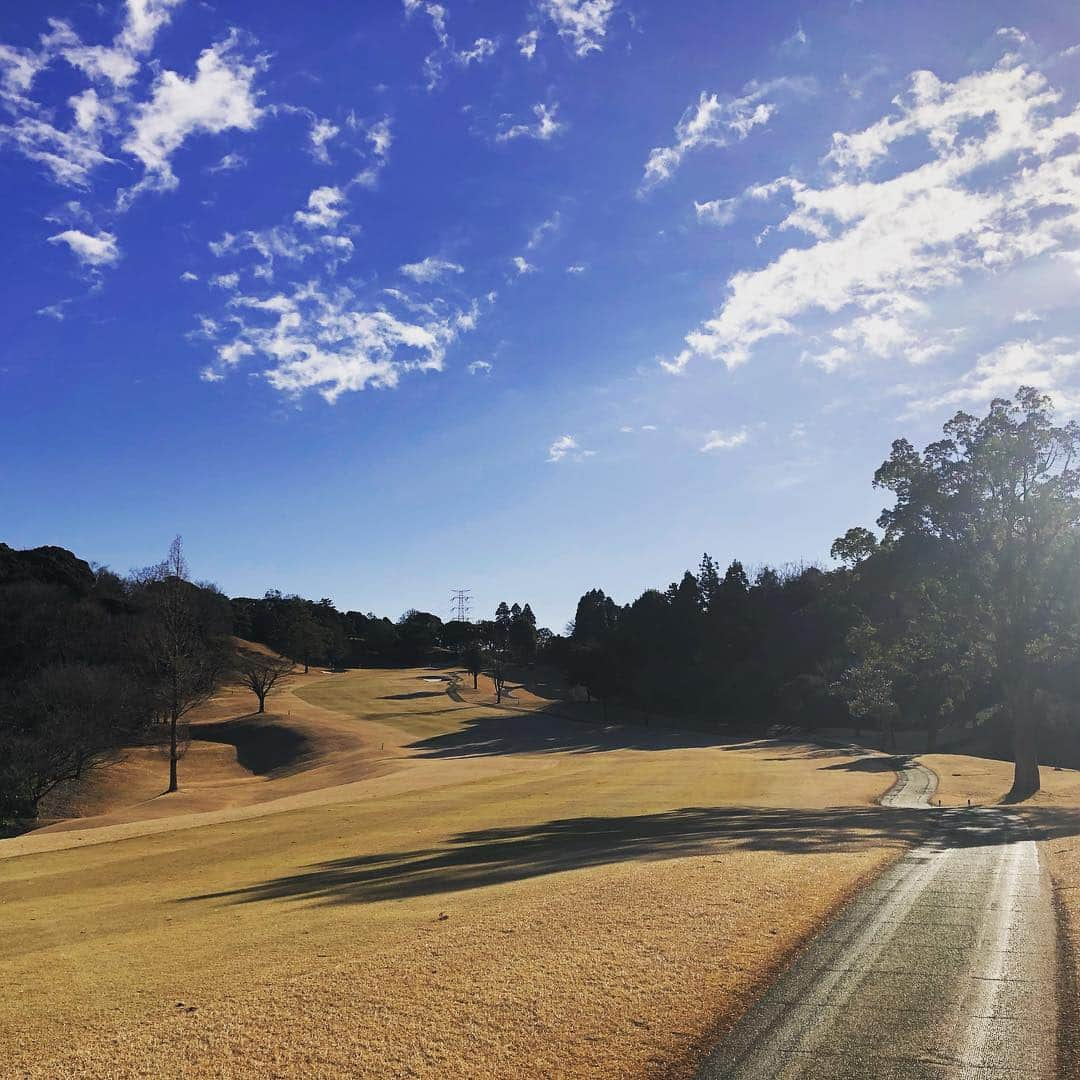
(497, 670)
(473, 659)
(993, 508)
(305, 638)
(596, 616)
(522, 636)
(260, 673)
(854, 547)
(184, 646)
(708, 580)
(67, 718)
(866, 684)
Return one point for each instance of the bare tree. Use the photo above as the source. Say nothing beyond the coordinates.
(186, 653)
(261, 673)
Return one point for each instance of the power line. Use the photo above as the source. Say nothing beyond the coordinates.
(460, 603)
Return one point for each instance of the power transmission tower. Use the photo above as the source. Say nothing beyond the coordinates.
(460, 603)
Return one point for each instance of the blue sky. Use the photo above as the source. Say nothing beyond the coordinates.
(375, 300)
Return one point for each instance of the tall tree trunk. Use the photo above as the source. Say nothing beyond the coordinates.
(262, 702)
(474, 684)
(307, 667)
(1026, 779)
(173, 785)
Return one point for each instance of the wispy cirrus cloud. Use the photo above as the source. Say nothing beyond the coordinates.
(328, 339)
(582, 24)
(1052, 366)
(718, 121)
(221, 96)
(526, 43)
(325, 208)
(546, 126)
(725, 440)
(118, 119)
(431, 269)
(91, 250)
(483, 48)
(566, 448)
(988, 178)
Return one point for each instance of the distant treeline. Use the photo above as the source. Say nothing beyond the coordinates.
(315, 632)
(965, 610)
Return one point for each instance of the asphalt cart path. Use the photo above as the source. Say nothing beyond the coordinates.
(943, 967)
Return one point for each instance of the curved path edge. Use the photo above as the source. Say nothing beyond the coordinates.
(944, 966)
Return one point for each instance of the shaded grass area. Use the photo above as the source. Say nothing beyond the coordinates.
(486, 857)
(263, 745)
(550, 732)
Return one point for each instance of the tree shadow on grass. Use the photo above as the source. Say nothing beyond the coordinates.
(491, 856)
(871, 763)
(544, 732)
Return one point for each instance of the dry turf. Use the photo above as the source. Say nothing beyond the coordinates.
(391, 877)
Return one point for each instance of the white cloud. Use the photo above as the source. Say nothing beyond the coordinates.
(522, 265)
(1052, 367)
(719, 440)
(576, 268)
(717, 122)
(229, 163)
(1027, 316)
(325, 208)
(796, 42)
(565, 448)
(379, 137)
(145, 20)
(549, 225)
(431, 269)
(482, 49)
(546, 126)
(527, 43)
(583, 24)
(478, 367)
(107, 119)
(54, 311)
(18, 70)
(989, 177)
(717, 211)
(91, 110)
(328, 340)
(94, 251)
(225, 281)
(220, 97)
(187, 275)
(71, 156)
(322, 131)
